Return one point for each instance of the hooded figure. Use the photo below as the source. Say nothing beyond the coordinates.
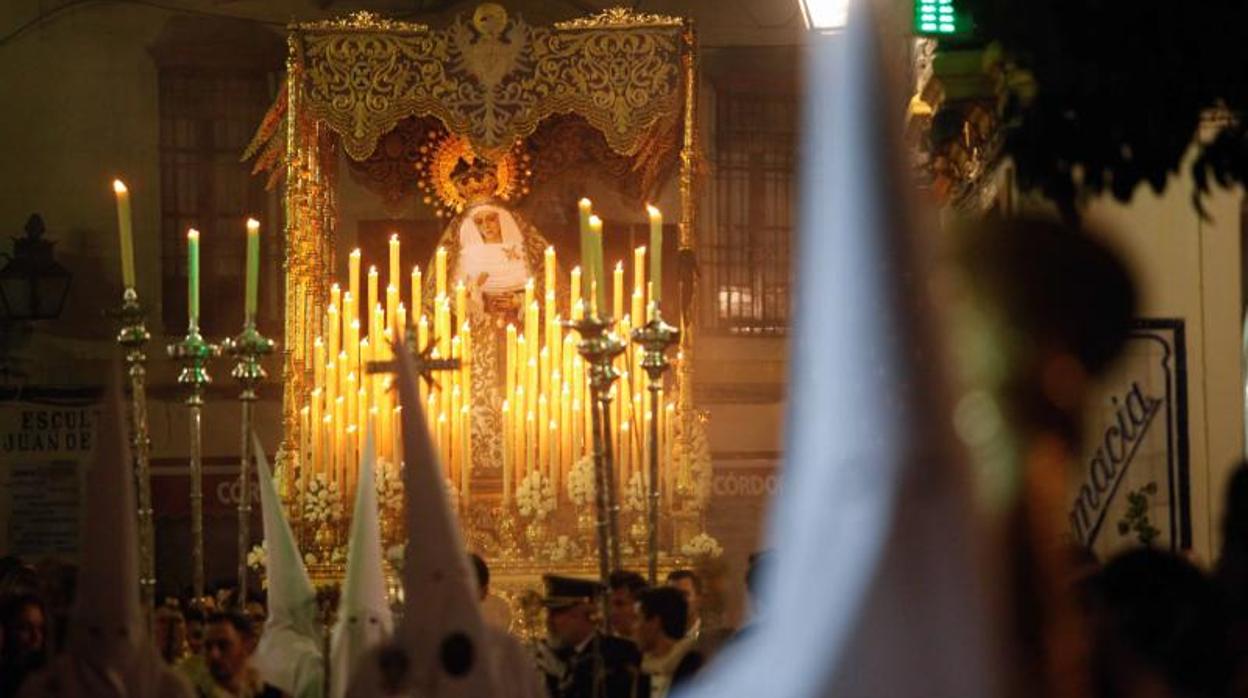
(875, 586)
(439, 648)
(364, 619)
(289, 654)
(110, 650)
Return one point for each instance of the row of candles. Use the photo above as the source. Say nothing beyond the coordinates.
(546, 423)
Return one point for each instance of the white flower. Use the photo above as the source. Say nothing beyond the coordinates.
(702, 545)
(635, 494)
(563, 549)
(322, 502)
(581, 484)
(535, 496)
(258, 557)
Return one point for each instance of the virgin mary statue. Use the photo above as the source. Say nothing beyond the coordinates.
(494, 252)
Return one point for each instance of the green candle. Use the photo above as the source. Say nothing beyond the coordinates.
(253, 269)
(595, 257)
(656, 253)
(192, 277)
(126, 232)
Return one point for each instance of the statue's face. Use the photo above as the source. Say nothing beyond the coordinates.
(489, 226)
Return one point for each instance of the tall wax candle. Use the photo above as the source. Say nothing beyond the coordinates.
(417, 308)
(656, 253)
(252, 282)
(374, 299)
(549, 266)
(353, 282)
(335, 295)
(392, 308)
(333, 328)
(192, 277)
(440, 272)
(574, 293)
(585, 210)
(461, 303)
(598, 280)
(639, 272)
(507, 456)
(393, 279)
(617, 292)
(125, 230)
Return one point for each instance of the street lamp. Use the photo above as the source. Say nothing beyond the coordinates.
(825, 16)
(33, 285)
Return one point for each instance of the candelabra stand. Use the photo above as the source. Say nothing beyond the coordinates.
(655, 337)
(599, 347)
(194, 353)
(247, 349)
(133, 337)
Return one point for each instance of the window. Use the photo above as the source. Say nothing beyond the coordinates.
(211, 99)
(746, 251)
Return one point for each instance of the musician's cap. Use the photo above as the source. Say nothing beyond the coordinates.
(566, 592)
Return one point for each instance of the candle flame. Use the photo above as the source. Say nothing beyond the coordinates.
(372, 270)
(394, 237)
(355, 252)
(584, 202)
(119, 186)
(595, 221)
(192, 234)
(253, 225)
(654, 212)
(619, 266)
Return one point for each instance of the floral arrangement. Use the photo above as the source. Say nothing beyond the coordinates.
(563, 549)
(535, 497)
(336, 555)
(702, 545)
(581, 483)
(389, 487)
(635, 494)
(257, 557)
(322, 503)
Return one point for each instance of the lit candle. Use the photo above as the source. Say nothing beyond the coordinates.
(574, 295)
(440, 272)
(417, 308)
(597, 279)
(192, 277)
(392, 308)
(461, 302)
(318, 432)
(401, 321)
(125, 229)
(353, 281)
(550, 267)
(617, 292)
(530, 453)
(335, 295)
(252, 282)
(318, 362)
(393, 278)
(334, 327)
(584, 210)
(639, 272)
(507, 449)
(543, 435)
(512, 361)
(656, 253)
(373, 298)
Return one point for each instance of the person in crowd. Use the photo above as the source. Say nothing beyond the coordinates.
(170, 633)
(661, 634)
(624, 586)
(194, 631)
(1158, 628)
(25, 643)
(576, 657)
(1041, 309)
(229, 641)
(689, 584)
(1231, 573)
(513, 664)
(494, 610)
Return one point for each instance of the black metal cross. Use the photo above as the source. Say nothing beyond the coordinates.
(422, 361)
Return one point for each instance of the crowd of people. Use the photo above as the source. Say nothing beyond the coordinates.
(653, 640)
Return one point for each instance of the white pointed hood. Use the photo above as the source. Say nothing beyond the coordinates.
(289, 654)
(364, 619)
(109, 648)
(874, 587)
(439, 648)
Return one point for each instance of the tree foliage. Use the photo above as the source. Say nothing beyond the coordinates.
(1103, 95)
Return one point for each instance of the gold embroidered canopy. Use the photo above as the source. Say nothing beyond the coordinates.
(493, 80)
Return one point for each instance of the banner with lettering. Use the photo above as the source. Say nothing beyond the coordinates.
(1132, 484)
(44, 448)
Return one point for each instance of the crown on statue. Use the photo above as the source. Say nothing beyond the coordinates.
(476, 179)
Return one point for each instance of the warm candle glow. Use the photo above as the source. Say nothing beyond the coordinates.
(252, 281)
(125, 231)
